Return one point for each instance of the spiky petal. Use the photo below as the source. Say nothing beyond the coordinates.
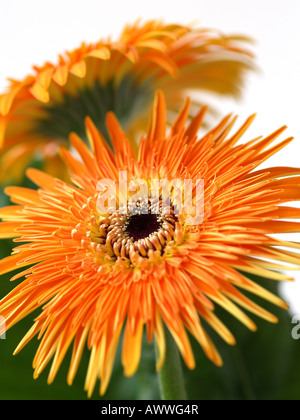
(94, 276)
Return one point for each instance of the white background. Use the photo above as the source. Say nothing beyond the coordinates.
(34, 31)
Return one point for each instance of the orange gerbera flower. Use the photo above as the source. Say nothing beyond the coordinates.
(95, 273)
(38, 113)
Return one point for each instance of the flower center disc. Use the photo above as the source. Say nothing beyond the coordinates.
(141, 226)
(146, 227)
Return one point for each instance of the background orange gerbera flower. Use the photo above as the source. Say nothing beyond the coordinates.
(38, 113)
(93, 272)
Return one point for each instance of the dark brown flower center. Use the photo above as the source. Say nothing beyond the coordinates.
(140, 226)
(143, 229)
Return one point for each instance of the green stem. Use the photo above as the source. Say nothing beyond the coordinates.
(244, 375)
(171, 378)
